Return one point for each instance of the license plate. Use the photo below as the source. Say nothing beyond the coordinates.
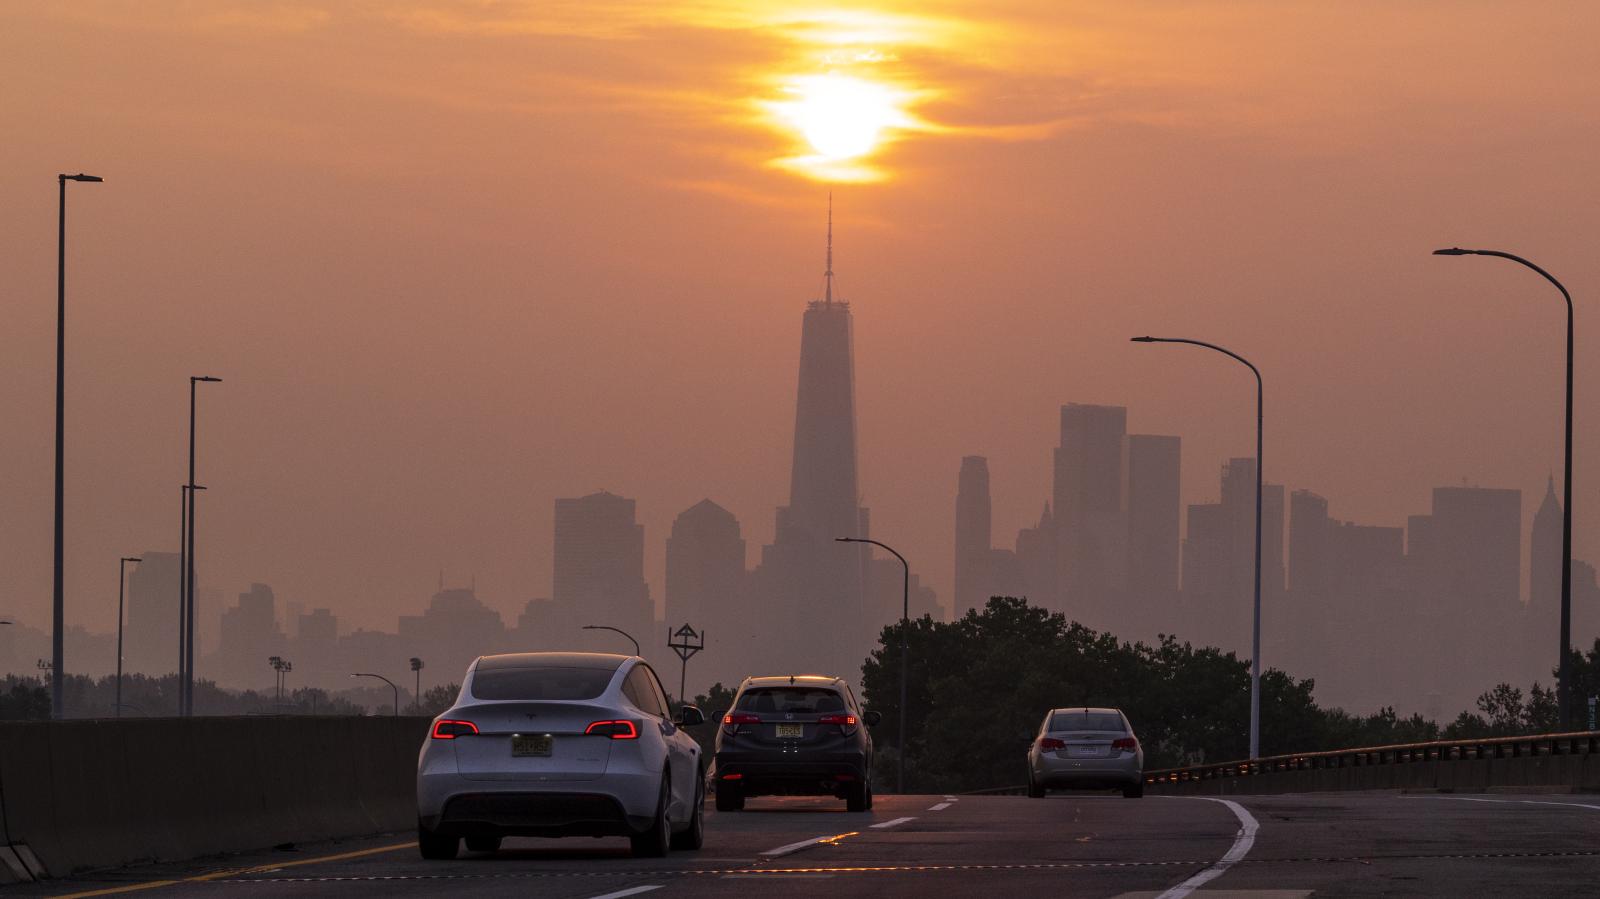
(1086, 752)
(791, 730)
(530, 744)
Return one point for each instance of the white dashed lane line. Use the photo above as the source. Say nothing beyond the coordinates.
(630, 891)
(792, 848)
(892, 823)
(939, 808)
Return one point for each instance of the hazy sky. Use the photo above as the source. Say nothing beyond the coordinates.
(454, 260)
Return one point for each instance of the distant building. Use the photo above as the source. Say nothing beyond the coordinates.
(1091, 512)
(454, 629)
(707, 587)
(1155, 510)
(599, 567)
(250, 635)
(974, 559)
(1036, 567)
(150, 634)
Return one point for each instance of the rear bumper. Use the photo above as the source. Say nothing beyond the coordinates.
(535, 815)
(790, 773)
(1061, 773)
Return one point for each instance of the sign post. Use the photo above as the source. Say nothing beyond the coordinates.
(688, 643)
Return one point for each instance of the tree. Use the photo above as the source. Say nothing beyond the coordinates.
(437, 699)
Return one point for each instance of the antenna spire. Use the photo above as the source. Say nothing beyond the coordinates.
(827, 297)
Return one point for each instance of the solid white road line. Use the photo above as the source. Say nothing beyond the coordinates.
(1242, 842)
(939, 808)
(896, 822)
(630, 891)
(1509, 801)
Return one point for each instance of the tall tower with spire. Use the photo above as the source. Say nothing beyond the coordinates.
(814, 587)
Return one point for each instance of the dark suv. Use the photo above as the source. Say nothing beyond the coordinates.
(794, 736)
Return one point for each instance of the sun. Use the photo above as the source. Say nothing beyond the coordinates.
(841, 117)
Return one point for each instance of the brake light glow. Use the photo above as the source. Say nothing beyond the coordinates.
(733, 777)
(1047, 744)
(740, 718)
(841, 720)
(1128, 743)
(616, 730)
(446, 729)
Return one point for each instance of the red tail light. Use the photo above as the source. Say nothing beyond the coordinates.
(445, 729)
(616, 730)
(1047, 744)
(732, 720)
(841, 720)
(1128, 743)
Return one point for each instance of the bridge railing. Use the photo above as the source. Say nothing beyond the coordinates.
(1575, 743)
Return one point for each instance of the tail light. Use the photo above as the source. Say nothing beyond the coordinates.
(732, 720)
(445, 729)
(845, 722)
(616, 730)
(1049, 744)
(1126, 743)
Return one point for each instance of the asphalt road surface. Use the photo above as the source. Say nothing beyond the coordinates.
(1270, 847)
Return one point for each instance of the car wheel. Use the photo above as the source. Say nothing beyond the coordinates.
(653, 843)
(856, 797)
(693, 837)
(1133, 791)
(730, 798)
(483, 844)
(435, 845)
(1035, 789)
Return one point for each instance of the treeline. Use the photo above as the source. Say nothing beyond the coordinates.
(978, 689)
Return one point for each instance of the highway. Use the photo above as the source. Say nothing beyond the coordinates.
(1273, 847)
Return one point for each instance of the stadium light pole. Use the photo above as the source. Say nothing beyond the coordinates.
(1255, 630)
(122, 580)
(416, 668)
(1563, 671)
(189, 620)
(905, 648)
(58, 603)
(607, 627)
(391, 686)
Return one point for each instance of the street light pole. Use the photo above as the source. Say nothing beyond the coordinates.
(189, 623)
(1255, 631)
(1563, 670)
(391, 686)
(122, 580)
(58, 606)
(607, 627)
(416, 668)
(187, 493)
(905, 648)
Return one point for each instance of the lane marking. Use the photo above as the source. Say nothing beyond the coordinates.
(895, 823)
(940, 807)
(1242, 841)
(630, 891)
(239, 872)
(777, 876)
(792, 848)
(1508, 801)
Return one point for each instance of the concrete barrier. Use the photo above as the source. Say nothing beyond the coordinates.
(92, 794)
(1568, 761)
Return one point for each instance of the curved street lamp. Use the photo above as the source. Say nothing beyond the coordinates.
(1255, 631)
(1563, 672)
(607, 627)
(391, 686)
(905, 648)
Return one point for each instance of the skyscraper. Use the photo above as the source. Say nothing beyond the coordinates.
(599, 567)
(813, 587)
(151, 632)
(707, 587)
(1091, 512)
(1154, 508)
(974, 555)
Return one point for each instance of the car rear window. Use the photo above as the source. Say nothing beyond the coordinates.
(1086, 721)
(540, 683)
(801, 700)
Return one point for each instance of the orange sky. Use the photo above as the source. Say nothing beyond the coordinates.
(456, 260)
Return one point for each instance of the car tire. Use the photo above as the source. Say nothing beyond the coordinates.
(693, 837)
(656, 840)
(436, 846)
(856, 797)
(1035, 789)
(483, 844)
(1133, 791)
(869, 796)
(730, 798)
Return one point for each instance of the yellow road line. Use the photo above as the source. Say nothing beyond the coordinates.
(235, 872)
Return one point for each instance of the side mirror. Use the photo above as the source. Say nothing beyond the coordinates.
(689, 716)
(872, 717)
(719, 714)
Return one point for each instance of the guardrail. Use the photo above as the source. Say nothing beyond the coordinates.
(1565, 759)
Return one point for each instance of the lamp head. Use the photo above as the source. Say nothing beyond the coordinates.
(1145, 339)
(1453, 251)
(80, 177)
(206, 378)
(131, 559)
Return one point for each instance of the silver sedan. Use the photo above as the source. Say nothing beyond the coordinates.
(560, 744)
(1086, 749)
